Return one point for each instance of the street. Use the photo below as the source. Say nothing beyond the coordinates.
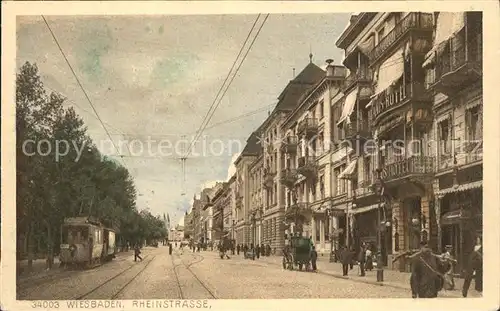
(200, 275)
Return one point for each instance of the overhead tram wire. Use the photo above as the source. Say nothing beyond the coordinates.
(82, 88)
(229, 84)
(205, 118)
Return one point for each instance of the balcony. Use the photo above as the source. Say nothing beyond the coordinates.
(459, 65)
(307, 166)
(268, 179)
(413, 166)
(289, 144)
(396, 96)
(415, 21)
(308, 127)
(357, 130)
(289, 177)
(361, 77)
(364, 189)
(298, 213)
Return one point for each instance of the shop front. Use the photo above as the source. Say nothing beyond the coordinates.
(460, 221)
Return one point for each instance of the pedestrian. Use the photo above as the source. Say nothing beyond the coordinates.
(345, 260)
(257, 251)
(314, 258)
(449, 263)
(426, 278)
(361, 260)
(369, 259)
(238, 249)
(170, 248)
(137, 252)
(268, 250)
(474, 269)
(351, 256)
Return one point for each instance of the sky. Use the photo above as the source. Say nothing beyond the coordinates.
(152, 80)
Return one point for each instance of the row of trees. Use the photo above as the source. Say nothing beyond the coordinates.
(51, 188)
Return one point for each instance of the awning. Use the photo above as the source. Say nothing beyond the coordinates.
(390, 71)
(363, 209)
(460, 188)
(346, 174)
(447, 24)
(349, 103)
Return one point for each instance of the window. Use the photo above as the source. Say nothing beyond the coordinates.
(340, 182)
(322, 186)
(321, 145)
(472, 120)
(367, 170)
(380, 34)
(321, 109)
(444, 138)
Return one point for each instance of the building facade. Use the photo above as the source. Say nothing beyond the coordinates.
(454, 73)
(402, 99)
(306, 167)
(257, 186)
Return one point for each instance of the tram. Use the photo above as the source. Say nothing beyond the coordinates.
(86, 242)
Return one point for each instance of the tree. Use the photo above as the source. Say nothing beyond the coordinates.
(51, 188)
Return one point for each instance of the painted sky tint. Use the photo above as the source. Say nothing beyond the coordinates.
(156, 77)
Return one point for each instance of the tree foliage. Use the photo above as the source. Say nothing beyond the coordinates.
(50, 189)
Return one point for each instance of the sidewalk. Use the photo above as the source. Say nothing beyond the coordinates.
(392, 278)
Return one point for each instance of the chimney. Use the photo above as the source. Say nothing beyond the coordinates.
(329, 68)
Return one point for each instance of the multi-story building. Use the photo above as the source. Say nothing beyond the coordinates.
(219, 201)
(257, 184)
(188, 225)
(306, 168)
(230, 208)
(242, 189)
(390, 49)
(271, 133)
(454, 76)
(412, 97)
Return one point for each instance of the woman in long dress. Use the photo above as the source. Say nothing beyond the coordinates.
(369, 259)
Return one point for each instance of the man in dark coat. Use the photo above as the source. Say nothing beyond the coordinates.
(474, 269)
(362, 259)
(257, 251)
(170, 248)
(238, 249)
(314, 258)
(426, 279)
(352, 255)
(345, 259)
(137, 252)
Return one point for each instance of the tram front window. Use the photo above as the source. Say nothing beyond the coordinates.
(74, 235)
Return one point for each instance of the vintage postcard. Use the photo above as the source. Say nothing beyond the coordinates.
(250, 155)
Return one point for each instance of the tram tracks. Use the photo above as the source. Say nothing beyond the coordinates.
(188, 268)
(88, 294)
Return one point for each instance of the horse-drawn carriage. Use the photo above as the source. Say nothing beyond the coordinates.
(297, 254)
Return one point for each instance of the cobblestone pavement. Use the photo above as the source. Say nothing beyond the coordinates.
(392, 278)
(204, 275)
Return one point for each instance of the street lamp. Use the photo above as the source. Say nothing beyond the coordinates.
(380, 193)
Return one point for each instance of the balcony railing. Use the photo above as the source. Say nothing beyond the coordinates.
(362, 75)
(460, 63)
(307, 166)
(396, 95)
(415, 165)
(289, 144)
(289, 176)
(364, 188)
(268, 178)
(308, 126)
(412, 21)
(357, 127)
